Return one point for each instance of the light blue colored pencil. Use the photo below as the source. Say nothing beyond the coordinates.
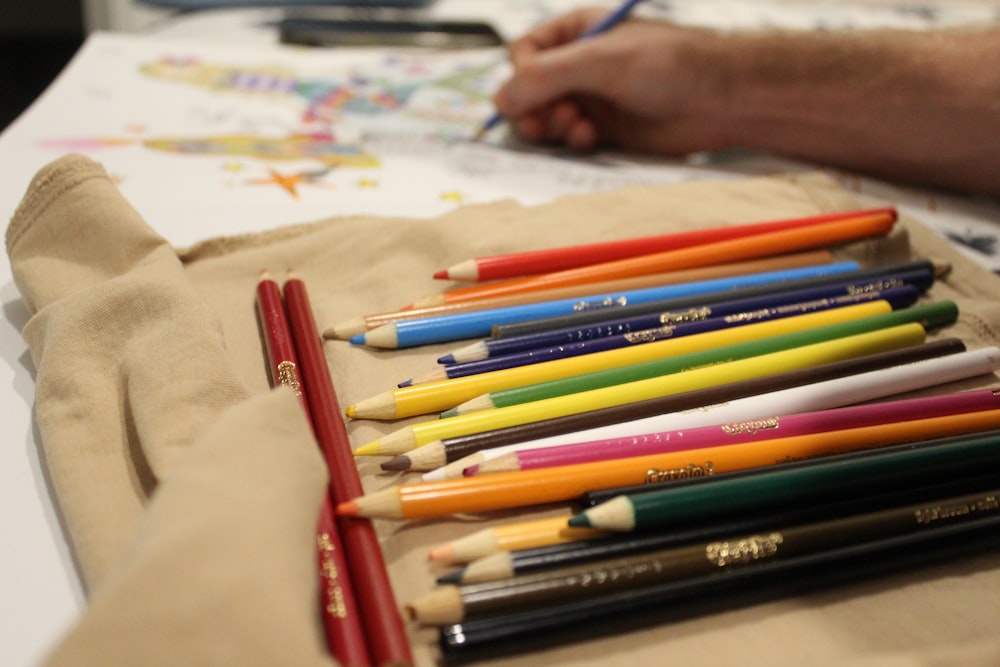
(478, 324)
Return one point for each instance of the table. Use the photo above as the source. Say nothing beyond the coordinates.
(41, 589)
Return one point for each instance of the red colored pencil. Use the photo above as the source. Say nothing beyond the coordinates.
(338, 604)
(514, 265)
(766, 244)
(379, 611)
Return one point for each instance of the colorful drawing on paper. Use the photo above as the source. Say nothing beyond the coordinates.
(329, 120)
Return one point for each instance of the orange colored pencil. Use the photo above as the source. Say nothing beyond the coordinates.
(761, 245)
(512, 265)
(549, 485)
(437, 305)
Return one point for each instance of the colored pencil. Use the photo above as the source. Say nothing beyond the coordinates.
(774, 421)
(338, 604)
(452, 604)
(607, 23)
(608, 377)
(434, 306)
(443, 452)
(897, 297)
(920, 273)
(446, 394)
(821, 235)
(384, 630)
(521, 535)
(939, 457)
(410, 437)
(819, 395)
(480, 323)
(514, 265)
(587, 619)
(554, 534)
(495, 347)
(551, 485)
(502, 564)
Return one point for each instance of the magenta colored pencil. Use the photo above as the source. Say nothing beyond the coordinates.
(765, 427)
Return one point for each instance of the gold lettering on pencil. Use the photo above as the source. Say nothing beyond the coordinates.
(649, 335)
(614, 574)
(744, 550)
(335, 603)
(286, 377)
(875, 286)
(752, 426)
(934, 513)
(654, 475)
(607, 302)
(684, 316)
(748, 316)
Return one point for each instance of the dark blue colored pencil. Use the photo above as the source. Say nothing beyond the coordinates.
(898, 297)
(495, 347)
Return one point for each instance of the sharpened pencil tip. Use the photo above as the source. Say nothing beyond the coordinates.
(398, 463)
(470, 471)
(579, 521)
(441, 275)
(369, 449)
(451, 578)
(347, 508)
(357, 340)
(350, 412)
(405, 383)
(452, 412)
(442, 554)
(446, 359)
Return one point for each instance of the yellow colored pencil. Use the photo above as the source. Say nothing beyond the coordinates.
(437, 396)
(880, 340)
(511, 537)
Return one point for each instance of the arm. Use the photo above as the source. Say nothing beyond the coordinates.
(923, 107)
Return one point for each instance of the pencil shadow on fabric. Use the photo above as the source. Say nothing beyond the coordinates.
(856, 572)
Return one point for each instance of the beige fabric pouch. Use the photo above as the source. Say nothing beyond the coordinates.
(189, 488)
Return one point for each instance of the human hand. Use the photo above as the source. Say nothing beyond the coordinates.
(644, 86)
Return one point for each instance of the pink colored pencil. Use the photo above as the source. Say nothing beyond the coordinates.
(766, 427)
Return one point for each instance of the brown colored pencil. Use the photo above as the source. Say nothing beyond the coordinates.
(382, 622)
(338, 603)
(453, 604)
(443, 452)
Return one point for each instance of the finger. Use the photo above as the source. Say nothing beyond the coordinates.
(582, 136)
(586, 67)
(562, 30)
(563, 116)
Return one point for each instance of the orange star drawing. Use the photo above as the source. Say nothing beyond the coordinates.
(290, 182)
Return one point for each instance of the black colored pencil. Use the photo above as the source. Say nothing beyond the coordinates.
(453, 604)
(547, 625)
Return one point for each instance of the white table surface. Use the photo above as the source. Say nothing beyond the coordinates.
(40, 591)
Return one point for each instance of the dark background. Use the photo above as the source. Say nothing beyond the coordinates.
(37, 39)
